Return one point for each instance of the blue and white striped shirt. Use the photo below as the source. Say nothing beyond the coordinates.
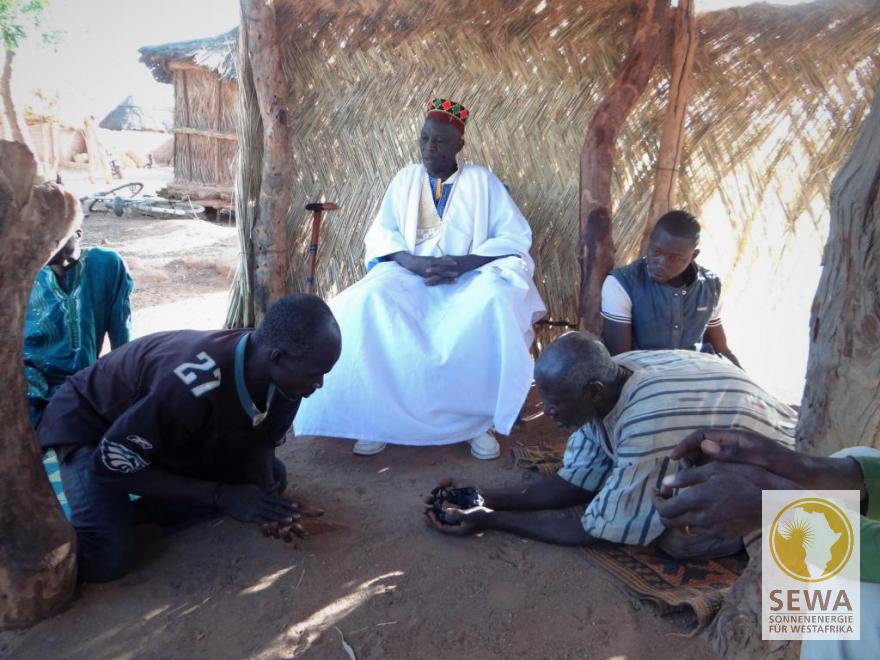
(623, 456)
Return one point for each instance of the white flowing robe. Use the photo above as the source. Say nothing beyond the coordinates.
(424, 365)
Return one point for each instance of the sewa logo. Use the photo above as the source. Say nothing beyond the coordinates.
(811, 539)
(810, 565)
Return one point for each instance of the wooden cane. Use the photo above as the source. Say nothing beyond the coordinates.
(317, 209)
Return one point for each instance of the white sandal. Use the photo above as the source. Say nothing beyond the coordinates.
(485, 447)
(367, 448)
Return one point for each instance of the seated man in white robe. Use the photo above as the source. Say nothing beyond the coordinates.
(436, 337)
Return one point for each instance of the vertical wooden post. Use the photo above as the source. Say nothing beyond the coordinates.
(37, 545)
(248, 161)
(270, 252)
(218, 149)
(190, 161)
(684, 47)
(597, 160)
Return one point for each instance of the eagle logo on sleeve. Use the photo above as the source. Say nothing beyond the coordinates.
(126, 456)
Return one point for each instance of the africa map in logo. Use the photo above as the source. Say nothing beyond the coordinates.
(811, 539)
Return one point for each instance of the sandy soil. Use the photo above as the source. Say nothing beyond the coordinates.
(371, 571)
(182, 268)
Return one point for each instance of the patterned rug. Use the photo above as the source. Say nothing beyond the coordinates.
(650, 574)
(543, 460)
(671, 584)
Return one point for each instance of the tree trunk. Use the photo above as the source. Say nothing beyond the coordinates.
(270, 251)
(37, 545)
(597, 160)
(841, 404)
(735, 633)
(597, 260)
(12, 118)
(684, 48)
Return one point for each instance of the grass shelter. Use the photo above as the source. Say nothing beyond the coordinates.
(203, 73)
(775, 97)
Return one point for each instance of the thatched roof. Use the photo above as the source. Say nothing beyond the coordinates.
(779, 92)
(218, 54)
(132, 116)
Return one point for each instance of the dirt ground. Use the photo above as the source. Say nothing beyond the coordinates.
(371, 572)
(182, 268)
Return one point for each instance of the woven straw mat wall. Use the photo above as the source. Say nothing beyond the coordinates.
(203, 102)
(777, 94)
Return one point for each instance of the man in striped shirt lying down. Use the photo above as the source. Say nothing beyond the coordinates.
(628, 411)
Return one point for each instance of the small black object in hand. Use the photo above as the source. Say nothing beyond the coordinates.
(461, 498)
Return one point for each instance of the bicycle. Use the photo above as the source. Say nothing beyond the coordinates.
(124, 198)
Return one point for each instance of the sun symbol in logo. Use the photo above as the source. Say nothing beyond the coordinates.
(798, 532)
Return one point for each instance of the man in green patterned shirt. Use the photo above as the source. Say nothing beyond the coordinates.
(80, 297)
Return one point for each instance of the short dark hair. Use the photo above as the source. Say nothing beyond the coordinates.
(574, 360)
(294, 323)
(680, 224)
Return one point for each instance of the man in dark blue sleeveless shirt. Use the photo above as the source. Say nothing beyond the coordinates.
(665, 300)
(189, 421)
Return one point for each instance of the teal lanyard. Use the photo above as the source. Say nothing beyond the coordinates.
(243, 395)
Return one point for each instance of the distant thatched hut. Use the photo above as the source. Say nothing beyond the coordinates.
(203, 72)
(131, 115)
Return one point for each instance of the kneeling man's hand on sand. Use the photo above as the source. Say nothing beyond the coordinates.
(251, 504)
(288, 531)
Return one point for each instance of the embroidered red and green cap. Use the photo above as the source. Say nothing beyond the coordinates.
(448, 111)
